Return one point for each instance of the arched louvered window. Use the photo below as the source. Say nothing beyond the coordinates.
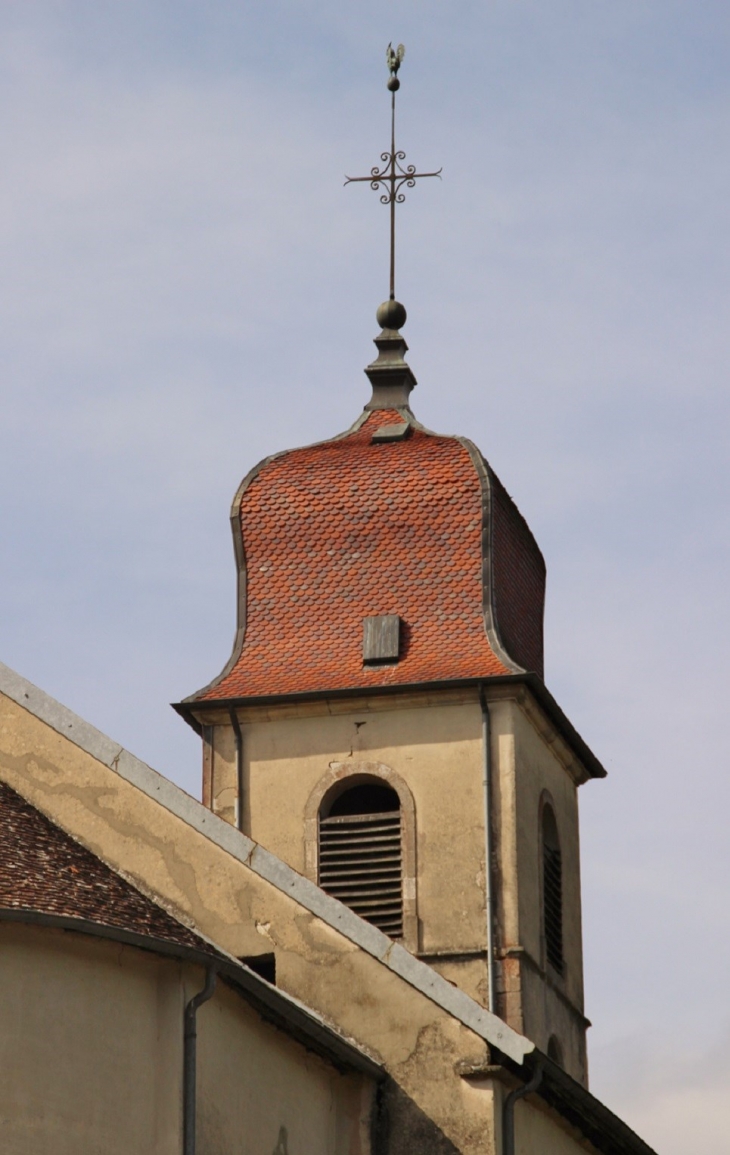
(552, 890)
(361, 856)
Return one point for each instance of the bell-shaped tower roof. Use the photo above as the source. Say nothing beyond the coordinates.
(385, 521)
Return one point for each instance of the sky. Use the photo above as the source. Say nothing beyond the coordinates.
(186, 286)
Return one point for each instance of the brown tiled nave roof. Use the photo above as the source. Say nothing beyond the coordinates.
(42, 869)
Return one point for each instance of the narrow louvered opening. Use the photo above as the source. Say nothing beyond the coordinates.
(552, 891)
(360, 863)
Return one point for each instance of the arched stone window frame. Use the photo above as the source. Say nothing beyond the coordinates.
(547, 801)
(340, 777)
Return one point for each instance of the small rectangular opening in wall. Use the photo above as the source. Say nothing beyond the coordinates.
(263, 965)
(381, 639)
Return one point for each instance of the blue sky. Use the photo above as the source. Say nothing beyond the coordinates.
(186, 286)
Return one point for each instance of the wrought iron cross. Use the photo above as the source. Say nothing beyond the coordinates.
(392, 176)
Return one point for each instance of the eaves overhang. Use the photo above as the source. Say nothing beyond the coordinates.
(574, 1103)
(534, 683)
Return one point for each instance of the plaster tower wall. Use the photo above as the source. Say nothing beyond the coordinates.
(433, 746)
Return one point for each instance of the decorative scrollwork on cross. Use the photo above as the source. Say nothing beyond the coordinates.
(392, 175)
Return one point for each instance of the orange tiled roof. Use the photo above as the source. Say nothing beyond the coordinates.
(348, 529)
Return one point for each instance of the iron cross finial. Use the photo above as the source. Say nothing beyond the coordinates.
(392, 175)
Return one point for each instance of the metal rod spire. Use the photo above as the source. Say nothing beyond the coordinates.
(392, 198)
(392, 175)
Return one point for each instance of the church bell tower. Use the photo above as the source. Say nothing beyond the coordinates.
(382, 723)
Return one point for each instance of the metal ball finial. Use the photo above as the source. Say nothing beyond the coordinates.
(391, 315)
(393, 84)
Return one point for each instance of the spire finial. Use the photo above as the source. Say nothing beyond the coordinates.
(389, 180)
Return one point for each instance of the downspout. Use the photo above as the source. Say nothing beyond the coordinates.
(488, 847)
(508, 1110)
(190, 1046)
(239, 765)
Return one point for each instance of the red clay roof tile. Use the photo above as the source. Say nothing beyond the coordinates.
(349, 529)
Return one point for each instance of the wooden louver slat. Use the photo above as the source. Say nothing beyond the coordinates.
(361, 864)
(553, 906)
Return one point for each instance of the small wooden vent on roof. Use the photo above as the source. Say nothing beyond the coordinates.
(392, 432)
(381, 638)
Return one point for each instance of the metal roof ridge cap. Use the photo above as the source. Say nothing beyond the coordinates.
(59, 717)
(458, 1003)
(115, 757)
(278, 873)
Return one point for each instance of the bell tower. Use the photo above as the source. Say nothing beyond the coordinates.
(382, 723)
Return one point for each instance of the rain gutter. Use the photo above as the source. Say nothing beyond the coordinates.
(190, 1056)
(488, 848)
(238, 736)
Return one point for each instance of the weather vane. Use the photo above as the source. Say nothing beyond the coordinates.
(392, 176)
